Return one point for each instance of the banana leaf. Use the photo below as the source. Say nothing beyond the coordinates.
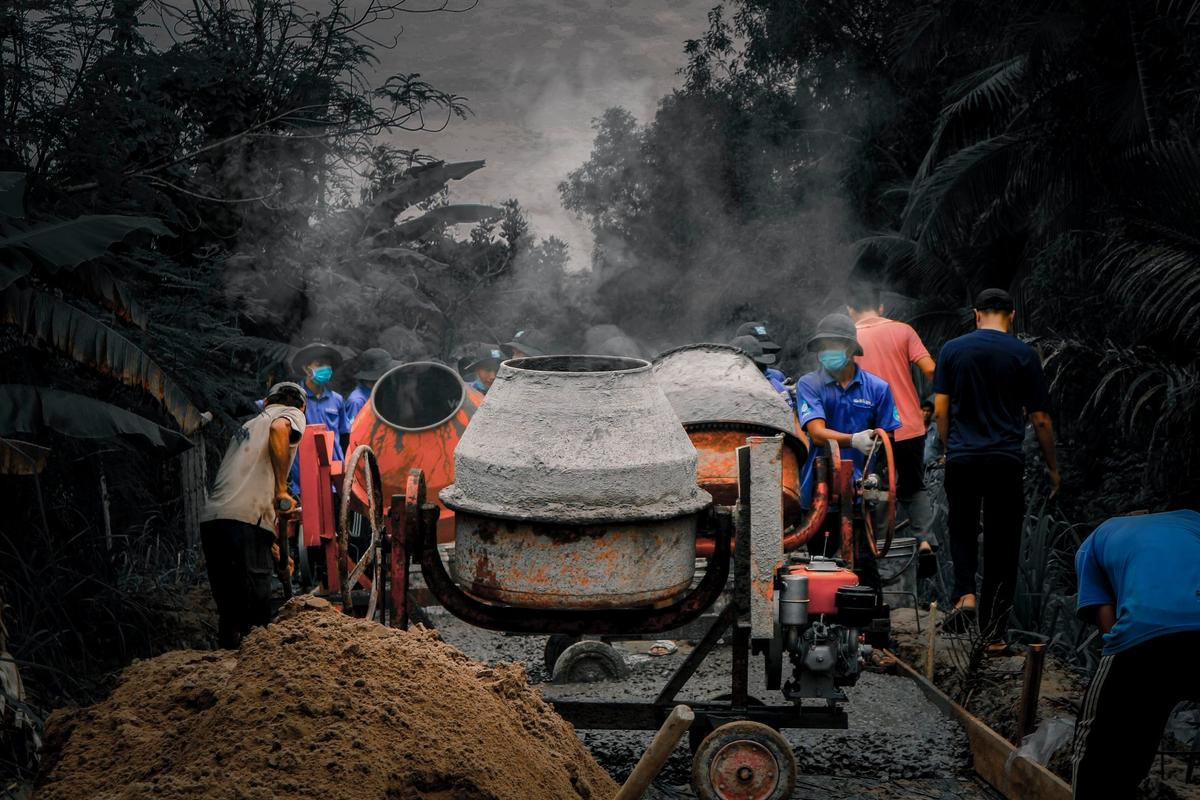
(445, 215)
(417, 184)
(37, 410)
(89, 341)
(68, 243)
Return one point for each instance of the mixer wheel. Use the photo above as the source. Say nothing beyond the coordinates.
(555, 646)
(744, 761)
(589, 662)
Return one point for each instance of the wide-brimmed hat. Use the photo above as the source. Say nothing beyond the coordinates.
(753, 348)
(373, 363)
(759, 331)
(835, 326)
(487, 352)
(316, 351)
(285, 388)
(529, 341)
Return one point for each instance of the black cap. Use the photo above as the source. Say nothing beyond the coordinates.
(753, 348)
(528, 341)
(994, 300)
(835, 326)
(759, 331)
(487, 352)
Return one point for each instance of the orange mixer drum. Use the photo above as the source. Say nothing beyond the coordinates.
(415, 417)
(716, 470)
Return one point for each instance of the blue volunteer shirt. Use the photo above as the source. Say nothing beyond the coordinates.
(865, 404)
(478, 386)
(355, 402)
(777, 380)
(329, 410)
(1148, 567)
(993, 380)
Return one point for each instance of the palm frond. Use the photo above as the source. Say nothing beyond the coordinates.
(91, 342)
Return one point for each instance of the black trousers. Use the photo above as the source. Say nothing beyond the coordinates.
(998, 488)
(1125, 710)
(239, 561)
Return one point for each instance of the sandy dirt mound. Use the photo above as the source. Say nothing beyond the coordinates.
(319, 705)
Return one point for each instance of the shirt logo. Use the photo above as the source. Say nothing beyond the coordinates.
(861, 401)
(896, 414)
(804, 407)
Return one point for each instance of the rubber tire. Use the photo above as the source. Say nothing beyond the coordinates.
(589, 662)
(555, 646)
(743, 730)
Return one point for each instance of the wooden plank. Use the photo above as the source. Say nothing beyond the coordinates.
(1021, 779)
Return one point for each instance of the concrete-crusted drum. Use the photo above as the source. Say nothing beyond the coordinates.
(575, 487)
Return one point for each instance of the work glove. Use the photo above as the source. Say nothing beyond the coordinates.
(863, 441)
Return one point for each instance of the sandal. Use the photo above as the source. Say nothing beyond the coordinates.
(960, 620)
(999, 650)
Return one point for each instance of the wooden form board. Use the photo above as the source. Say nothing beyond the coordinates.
(1022, 779)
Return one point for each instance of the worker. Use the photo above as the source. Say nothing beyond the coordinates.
(892, 348)
(237, 523)
(758, 330)
(985, 384)
(485, 366)
(763, 360)
(935, 453)
(844, 403)
(316, 363)
(1139, 582)
(372, 363)
(527, 342)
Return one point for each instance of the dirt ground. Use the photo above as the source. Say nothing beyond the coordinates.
(897, 745)
(997, 691)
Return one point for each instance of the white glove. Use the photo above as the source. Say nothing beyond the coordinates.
(863, 441)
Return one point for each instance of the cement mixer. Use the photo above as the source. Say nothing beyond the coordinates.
(415, 417)
(578, 511)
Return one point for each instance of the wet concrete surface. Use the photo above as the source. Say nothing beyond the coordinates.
(897, 744)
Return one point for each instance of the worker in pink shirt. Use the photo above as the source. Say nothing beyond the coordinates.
(890, 348)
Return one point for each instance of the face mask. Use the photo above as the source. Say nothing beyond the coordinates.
(322, 375)
(833, 360)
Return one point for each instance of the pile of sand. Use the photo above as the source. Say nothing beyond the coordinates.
(319, 705)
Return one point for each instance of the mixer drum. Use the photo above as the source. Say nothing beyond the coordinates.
(415, 417)
(575, 487)
(721, 397)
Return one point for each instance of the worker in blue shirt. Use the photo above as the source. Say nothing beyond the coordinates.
(371, 365)
(1139, 582)
(316, 362)
(759, 331)
(841, 402)
(485, 365)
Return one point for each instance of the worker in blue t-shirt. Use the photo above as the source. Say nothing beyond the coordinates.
(770, 349)
(1139, 581)
(841, 402)
(986, 384)
(485, 365)
(316, 362)
(371, 365)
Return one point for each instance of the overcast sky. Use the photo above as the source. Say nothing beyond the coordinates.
(535, 73)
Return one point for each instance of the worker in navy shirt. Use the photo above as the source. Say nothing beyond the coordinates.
(986, 384)
(1139, 581)
(770, 349)
(316, 363)
(843, 403)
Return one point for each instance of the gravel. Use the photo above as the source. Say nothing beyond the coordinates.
(897, 743)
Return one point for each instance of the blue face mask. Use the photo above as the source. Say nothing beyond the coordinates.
(833, 360)
(322, 375)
